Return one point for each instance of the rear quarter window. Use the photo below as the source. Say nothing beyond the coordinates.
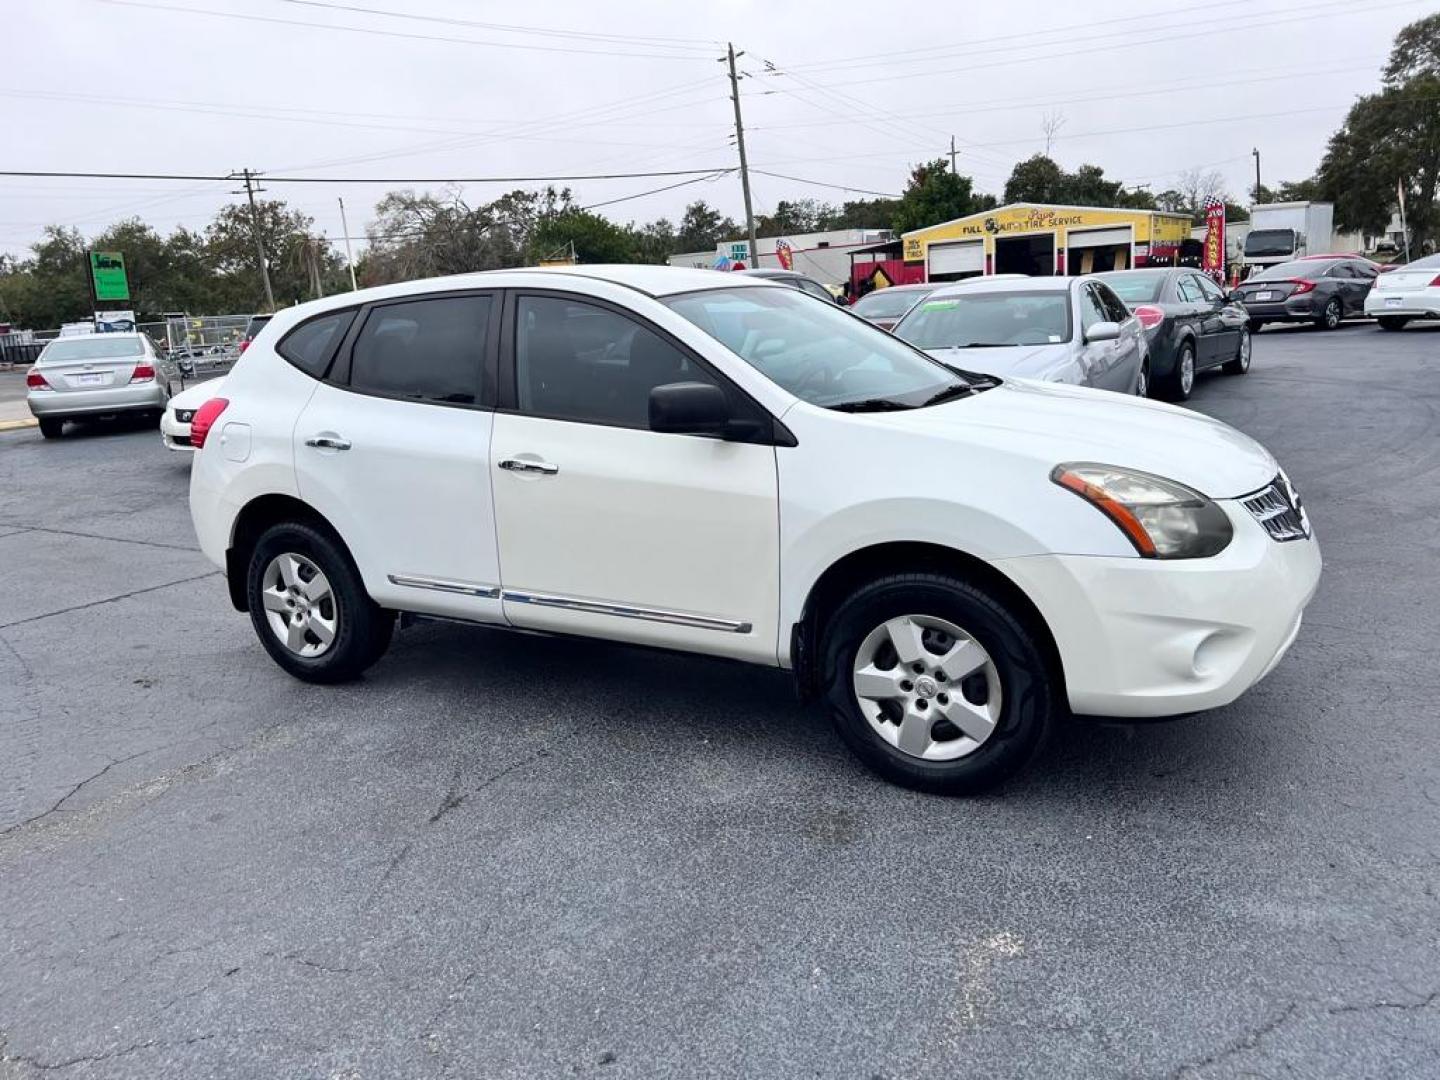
(311, 345)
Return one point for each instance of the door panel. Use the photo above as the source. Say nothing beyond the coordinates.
(410, 496)
(680, 530)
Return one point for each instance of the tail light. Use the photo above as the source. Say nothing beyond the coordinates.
(1435, 282)
(35, 381)
(142, 373)
(244, 344)
(1150, 315)
(204, 420)
(1303, 286)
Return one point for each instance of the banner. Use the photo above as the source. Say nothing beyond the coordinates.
(107, 276)
(1213, 259)
(785, 254)
(114, 322)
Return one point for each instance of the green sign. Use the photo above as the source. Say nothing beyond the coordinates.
(107, 275)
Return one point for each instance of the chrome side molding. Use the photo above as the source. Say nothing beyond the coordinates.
(465, 588)
(595, 607)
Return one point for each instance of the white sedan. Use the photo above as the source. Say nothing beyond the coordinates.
(1408, 292)
(175, 423)
(717, 464)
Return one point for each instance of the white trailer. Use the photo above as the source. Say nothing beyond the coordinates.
(1280, 232)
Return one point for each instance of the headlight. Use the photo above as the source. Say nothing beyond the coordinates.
(1163, 519)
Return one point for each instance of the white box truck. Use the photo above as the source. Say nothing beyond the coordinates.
(1280, 232)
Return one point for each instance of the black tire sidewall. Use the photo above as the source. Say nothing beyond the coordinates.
(1174, 385)
(51, 428)
(1236, 365)
(1028, 693)
(1324, 321)
(364, 629)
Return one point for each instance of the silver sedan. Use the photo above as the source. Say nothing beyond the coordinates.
(94, 375)
(1071, 330)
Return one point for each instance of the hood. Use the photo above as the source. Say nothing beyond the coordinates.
(192, 397)
(1053, 422)
(1008, 361)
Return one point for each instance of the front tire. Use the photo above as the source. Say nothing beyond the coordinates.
(1142, 379)
(1331, 315)
(1181, 380)
(51, 428)
(309, 606)
(900, 711)
(1241, 363)
(1392, 322)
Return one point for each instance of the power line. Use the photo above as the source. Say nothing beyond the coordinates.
(657, 191)
(270, 179)
(400, 33)
(822, 183)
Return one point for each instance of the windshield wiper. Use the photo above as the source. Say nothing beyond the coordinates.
(871, 405)
(958, 390)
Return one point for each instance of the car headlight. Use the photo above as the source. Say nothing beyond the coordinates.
(1163, 519)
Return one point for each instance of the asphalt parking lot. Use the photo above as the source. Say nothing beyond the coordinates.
(505, 856)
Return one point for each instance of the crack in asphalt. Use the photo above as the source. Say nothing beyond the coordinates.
(147, 1044)
(72, 792)
(454, 798)
(96, 536)
(109, 599)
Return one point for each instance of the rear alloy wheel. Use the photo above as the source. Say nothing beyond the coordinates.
(50, 427)
(935, 685)
(309, 606)
(1392, 322)
(1241, 364)
(1142, 380)
(1331, 315)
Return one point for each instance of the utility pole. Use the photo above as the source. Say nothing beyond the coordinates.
(349, 259)
(744, 166)
(1256, 152)
(250, 189)
(953, 153)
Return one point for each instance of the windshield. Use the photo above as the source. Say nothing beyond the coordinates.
(1308, 268)
(1270, 242)
(979, 319)
(886, 303)
(1136, 287)
(817, 352)
(91, 347)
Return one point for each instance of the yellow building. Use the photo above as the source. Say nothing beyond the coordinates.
(1041, 240)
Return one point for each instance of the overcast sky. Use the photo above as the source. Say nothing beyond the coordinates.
(466, 88)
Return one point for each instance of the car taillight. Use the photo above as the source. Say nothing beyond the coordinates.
(1150, 316)
(1435, 282)
(244, 344)
(204, 419)
(142, 373)
(1303, 286)
(35, 381)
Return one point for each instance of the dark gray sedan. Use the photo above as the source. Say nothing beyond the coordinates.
(1189, 323)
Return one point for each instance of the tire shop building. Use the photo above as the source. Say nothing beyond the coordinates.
(1043, 240)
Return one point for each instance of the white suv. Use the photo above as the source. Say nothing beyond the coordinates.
(708, 462)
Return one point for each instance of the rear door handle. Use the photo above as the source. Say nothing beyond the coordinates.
(328, 442)
(527, 466)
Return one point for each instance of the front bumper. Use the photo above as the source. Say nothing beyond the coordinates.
(1410, 304)
(174, 434)
(1145, 637)
(116, 399)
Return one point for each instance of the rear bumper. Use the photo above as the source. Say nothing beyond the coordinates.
(1146, 638)
(1302, 309)
(57, 403)
(1412, 304)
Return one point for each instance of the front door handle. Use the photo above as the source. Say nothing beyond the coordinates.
(328, 442)
(527, 466)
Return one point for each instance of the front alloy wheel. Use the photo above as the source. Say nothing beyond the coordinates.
(1241, 363)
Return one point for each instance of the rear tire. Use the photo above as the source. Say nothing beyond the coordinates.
(1000, 690)
(1241, 364)
(1392, 322)
(309, 606)
(1254, 325)
(1181, 380)
(51, 428)
(1331, 315)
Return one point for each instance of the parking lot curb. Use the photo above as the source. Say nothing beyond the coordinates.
(16, 425)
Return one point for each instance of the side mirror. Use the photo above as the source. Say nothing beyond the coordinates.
(689, 408)
(1102, 331)
(842, 300)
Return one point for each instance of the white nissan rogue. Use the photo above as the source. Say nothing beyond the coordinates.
(708, 462)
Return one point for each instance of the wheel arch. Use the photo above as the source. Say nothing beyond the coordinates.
(254, 518)
(856, 568)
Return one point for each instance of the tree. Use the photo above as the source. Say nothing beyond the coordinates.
(1390, 138)
(1039, 179)
(655, 242)
(595, 239)
(702, 228)
(935, 194)
(230, 244)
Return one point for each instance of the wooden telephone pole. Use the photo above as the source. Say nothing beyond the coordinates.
(744, 166)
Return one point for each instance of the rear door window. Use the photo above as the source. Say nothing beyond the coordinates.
(1115, 310)
(430, 350)
(1208, 289)
(311, 345)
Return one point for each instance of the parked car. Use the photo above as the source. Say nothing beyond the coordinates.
(1411, 291)
(252, 328)
(884, 307)
(715, 464)
(1072, 330)
(1323, 291)
(795, 280)
(93, 375)
(1189, 324)
(181, 409)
